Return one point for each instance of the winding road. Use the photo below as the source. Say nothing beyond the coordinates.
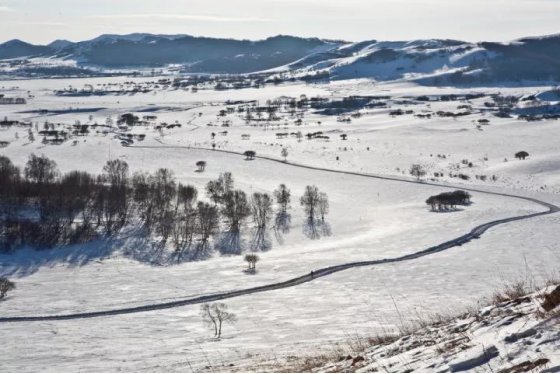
(475, 233)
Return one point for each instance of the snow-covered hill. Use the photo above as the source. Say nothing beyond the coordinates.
(436, 61)
(431, 61)
(513, 335)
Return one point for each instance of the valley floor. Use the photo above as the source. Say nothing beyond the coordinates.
(369, 219)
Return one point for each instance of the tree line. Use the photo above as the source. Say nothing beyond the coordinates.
(44, 208)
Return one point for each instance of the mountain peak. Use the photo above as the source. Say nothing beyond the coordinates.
(60, 43)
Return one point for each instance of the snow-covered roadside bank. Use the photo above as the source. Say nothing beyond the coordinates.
(512, 334)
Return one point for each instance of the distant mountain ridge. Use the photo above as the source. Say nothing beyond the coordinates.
(198, 54)
(433, 60)
(16, 48)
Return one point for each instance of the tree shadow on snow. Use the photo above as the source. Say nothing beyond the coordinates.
(260, 241)
(229, 243)
(26, 261)
(282, 226)
(315, 229)
(453, 210)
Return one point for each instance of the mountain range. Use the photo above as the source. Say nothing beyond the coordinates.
(432, 60)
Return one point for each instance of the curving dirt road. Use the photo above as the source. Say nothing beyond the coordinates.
(475, 233)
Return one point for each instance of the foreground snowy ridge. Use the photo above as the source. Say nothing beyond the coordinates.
(513, 335)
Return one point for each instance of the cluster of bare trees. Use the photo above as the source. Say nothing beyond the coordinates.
(43, 208)
(170, 211)
(449, 200)
(237, 209)
(39, 206)
(316, 206)
(315, 203)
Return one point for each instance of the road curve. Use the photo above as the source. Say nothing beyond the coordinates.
(475, 233)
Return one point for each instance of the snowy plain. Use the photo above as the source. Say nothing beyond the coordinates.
(369, 219)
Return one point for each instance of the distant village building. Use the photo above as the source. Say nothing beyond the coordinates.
(12, 100)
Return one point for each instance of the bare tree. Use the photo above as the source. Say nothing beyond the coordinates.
(115, 172)
(214, 315)
(41, 169)
(261, 208)
(310, 202)
(184, 224)
(285, 154)
(5, 287)
(417, 171)
(207, 222)
(143, 193)
(235, 210)
(283, 198)
(186, 196)
(218, 189)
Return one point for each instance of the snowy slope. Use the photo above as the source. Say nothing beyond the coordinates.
(511, 336)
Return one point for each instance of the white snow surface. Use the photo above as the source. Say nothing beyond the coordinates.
(369, 219)
(511, 336)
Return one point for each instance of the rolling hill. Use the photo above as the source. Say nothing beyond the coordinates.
(432, 61)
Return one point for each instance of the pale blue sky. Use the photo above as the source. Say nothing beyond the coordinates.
(41, 21)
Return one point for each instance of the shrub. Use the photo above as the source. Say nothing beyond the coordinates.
(5, 287)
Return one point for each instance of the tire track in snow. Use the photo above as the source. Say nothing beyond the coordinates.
(475, 233)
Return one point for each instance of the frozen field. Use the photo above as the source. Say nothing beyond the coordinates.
(369, 219)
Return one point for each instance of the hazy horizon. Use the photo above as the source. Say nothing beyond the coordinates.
(36, 22)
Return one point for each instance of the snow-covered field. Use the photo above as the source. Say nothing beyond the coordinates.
(369, 219)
